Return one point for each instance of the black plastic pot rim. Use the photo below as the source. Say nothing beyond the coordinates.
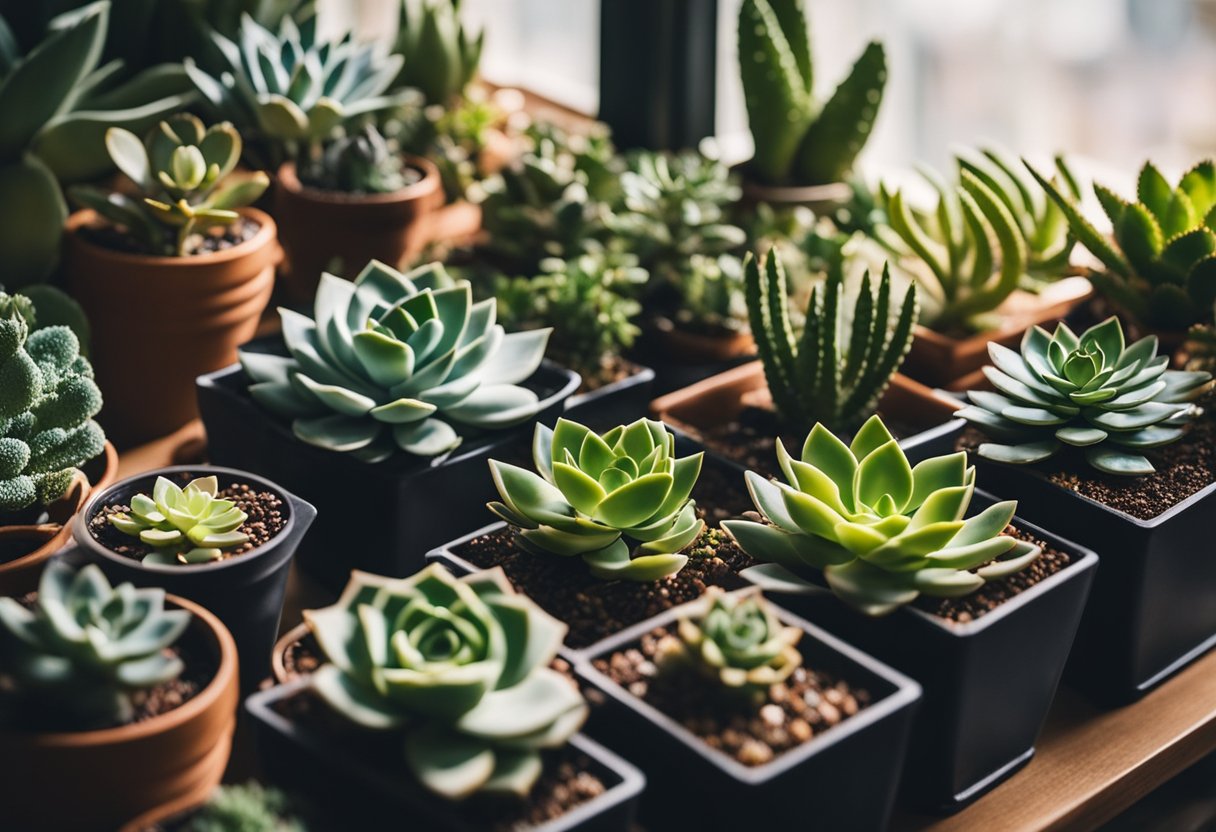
(641, 375)
(632, 780)
(907, 691)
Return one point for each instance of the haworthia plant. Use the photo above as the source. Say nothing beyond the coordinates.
(798, 139)
(395, 362)
(183, 525)
(619, 501)
(440, 56)
(461, 664)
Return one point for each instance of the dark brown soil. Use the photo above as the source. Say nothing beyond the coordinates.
(754, 733)
(409, 175)
(611, 369)
(217, 238)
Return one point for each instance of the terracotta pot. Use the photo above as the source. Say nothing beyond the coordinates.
(278, 659)
(160, 322)
(698, 348)
(339, 233)
(20, 575)
(90, 780)
(455, 223)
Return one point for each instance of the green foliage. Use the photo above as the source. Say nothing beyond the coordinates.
(394, 362)
(880, 531)
(362, 163)
(85, 647)
(183, 525)
(596, 496)
(833, 372)
(250, 807)
(797, 138)
(1161, 267)
(179, 170)
(712, 293)
(47, 401)
(1091, 392)
(440, 57)
(464, 663)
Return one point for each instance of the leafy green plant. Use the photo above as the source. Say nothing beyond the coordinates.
(797, 138)
(47, 403)
(180, 170)
(86, 646)
(440, 57)
(362, 163)
(619, 501)
(833, 372)
(394, 362)
(711, 291)
(464, 662)
(1091, 392)
(247, 807)
(1160, 266)
(880, 531)
(183, 525)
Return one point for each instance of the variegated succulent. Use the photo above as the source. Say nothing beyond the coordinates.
(183, 525)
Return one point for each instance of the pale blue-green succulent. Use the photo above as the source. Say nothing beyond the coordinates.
(183, 525)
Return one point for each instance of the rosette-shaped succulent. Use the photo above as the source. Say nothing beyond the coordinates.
(594, 493)
(461, 664)
(85, 646)
(1091, 392)
(880, 531)
(183, 525)
(397, 361)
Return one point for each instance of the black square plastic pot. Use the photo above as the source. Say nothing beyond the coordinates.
(381, 517)
(367, 797)
(1153, 606)
(988, 682)
(618, 403)
(245, 592)
(843, 779)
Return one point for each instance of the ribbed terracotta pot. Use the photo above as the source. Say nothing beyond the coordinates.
(336, 232)
(160, 322)
(91, 780)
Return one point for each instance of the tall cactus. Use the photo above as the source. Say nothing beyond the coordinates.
(834, 372)
(797, 138)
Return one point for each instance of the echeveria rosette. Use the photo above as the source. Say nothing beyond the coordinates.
(183, 525)
(461, 664)
(394, 362)
(595, 496)
(1091, 392)
(880, 531)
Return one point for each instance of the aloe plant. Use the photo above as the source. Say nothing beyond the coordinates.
(394, 362)
(183, 525)
(1092, 392)
(881, 532)
(440, 56)
(462, 662)
(620, 501)
(797, 138)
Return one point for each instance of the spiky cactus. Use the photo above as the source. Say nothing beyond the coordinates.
(797, 138)
(832, 373)
(441, 57)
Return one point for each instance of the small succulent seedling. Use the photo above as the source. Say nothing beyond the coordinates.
(1091, 392)
(396, 361)
(183, 525)
(463, 662)
(85, 646)
(880, 531)
(362, 163)
(596, 496)
(440, 57)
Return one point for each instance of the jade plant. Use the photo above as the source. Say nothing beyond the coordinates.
(180, 171)
(620, 500)
(1159, 266)
(799, 139)
(832, 372)
(360, 163)
(394, 362)
(1092, 392)
(881, 532)
(47, 403)
(85, 647)
(461, 664)
(183, 525)
(440, 56)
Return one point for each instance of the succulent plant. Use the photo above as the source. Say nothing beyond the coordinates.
(47, 403)
(180, 170)
(827, 373)
(620, 500)
(441, 57)
(86, 646)
(1160, 266)
(880, 531)
(362, 163)
(183, 525)
(464, 663)
(397, 361)
(711, 293)
(247, 807)
(797, 138)
(1093, 392)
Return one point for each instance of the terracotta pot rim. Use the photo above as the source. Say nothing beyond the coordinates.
(790, 192)
(289, 180)
(278, 656)
(266, 234)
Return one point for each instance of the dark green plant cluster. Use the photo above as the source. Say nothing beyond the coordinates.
(247, 807)
(364, 162)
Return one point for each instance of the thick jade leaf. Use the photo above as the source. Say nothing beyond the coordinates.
(988, 523)
(610, 564)
(1019, 556)
(768, 498)
(515, 772)
(870, 589)
(447, 763)
(1080, 435)
(884, 470)
(943, 505)
(684, 474)
(1018, 454)
(774, 578)
(1014, 366)
(532, 636)
(810, 514)
(858, 538)
(826, 452)
(1153, 437)
(336, 432)
(387, 361)
(566, 437)
(579, 489)
(594, 455)
(871, 436)
(402, 411)
(680, 534)
(517, 358)
(1142, 416)
(568, 543)
(496, 406)
(934, 474)
(542, 698)
(362, 705)
(1117, 462)
(635, 502)
(429, 437)
(1034, 416)
(443, 695)
(947, 583)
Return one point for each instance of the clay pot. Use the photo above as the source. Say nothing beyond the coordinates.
(699, 348)
(160, 322)
(89, 780)
(278, 658)
(20, 575)
(327, 231)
